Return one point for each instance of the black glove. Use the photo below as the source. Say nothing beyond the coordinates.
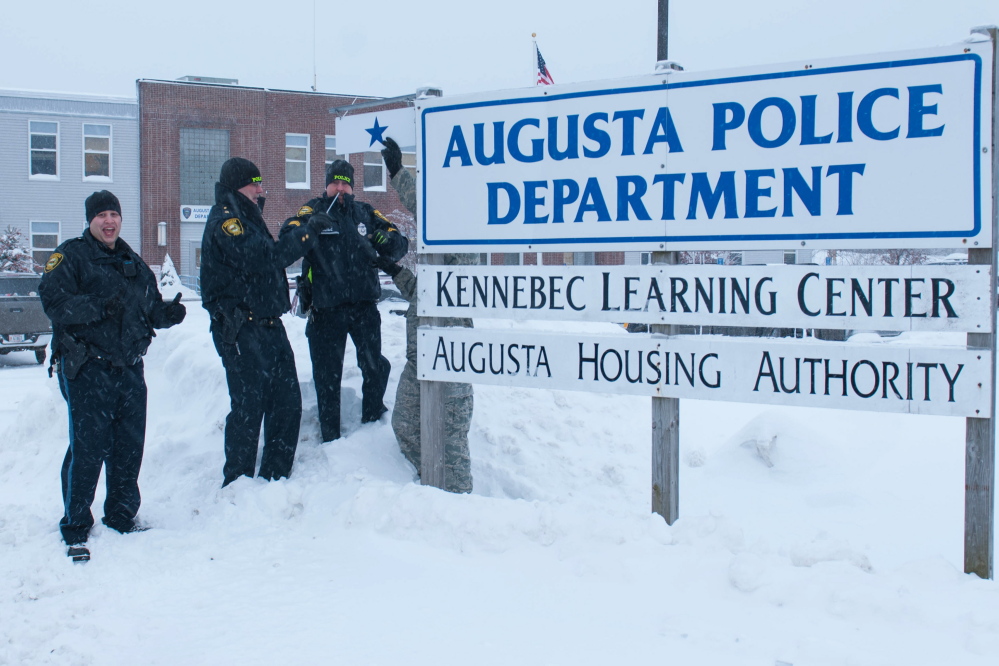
(379, 237)
(390, 267)
(115, 306)
(319, 222)
(174, 312)
(392, 156)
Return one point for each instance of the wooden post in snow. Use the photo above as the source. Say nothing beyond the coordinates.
(431, 416)
(980, 433)
(665, 411)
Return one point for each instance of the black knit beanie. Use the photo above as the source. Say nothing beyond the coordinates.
(340, 170)
(98, 202)
(238, 172)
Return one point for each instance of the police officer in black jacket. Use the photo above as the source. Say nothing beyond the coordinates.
(245, 289)
(341, 280)
(104, 304)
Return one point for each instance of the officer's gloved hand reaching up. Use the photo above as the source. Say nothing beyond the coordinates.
(392, 155)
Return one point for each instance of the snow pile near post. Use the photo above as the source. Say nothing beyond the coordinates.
(844, 548)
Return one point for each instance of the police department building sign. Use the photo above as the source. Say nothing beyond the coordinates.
(882, 151)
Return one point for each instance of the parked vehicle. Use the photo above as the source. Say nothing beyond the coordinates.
(23, 324)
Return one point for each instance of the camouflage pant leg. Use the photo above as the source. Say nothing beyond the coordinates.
(406, 415)
(458, 403)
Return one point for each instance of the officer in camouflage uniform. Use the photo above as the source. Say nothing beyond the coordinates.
(457, 397)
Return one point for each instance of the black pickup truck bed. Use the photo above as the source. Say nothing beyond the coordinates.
(23, 324)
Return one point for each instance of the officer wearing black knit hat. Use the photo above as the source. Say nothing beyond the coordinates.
(245, 289)
(342, 281)
(104, 304)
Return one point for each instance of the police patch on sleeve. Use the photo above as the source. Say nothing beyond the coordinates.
(294, 223)
(305, 210)
(233, 226)
(379, 215)
(53, 261)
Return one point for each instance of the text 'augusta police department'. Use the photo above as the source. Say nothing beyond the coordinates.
(836, 154)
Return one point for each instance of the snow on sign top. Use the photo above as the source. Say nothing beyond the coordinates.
(889, 150)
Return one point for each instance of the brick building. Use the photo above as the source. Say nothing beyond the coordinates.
(188, 128)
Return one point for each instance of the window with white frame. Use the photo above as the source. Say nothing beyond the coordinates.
(96, 152)
(44, 240)
(374, 172)
(409, 159)
(331, 154)
(43, 150)
(296, 161)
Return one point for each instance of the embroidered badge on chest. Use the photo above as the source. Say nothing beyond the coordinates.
(362, 229)
(233, 226)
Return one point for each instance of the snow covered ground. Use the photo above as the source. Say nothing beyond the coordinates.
(806, 537)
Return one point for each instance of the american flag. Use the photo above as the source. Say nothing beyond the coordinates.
(544, 76)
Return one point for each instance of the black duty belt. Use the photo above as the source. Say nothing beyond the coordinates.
(264, 321)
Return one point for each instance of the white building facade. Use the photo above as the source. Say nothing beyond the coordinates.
(55, 150)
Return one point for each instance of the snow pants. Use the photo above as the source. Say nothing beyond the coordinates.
(107, 428)
(263, 386)
(327, 331)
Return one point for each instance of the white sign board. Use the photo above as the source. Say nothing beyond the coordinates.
(365, 132)
(864, 152)
(191, 213)
(891, 298)
(890, 378)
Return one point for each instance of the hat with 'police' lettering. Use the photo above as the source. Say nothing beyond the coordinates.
(238, 172)
(340, 170)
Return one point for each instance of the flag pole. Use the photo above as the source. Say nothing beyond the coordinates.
(534, 58)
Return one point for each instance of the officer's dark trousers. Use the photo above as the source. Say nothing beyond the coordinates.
(263, 386)
(327, 331)
(107, 427)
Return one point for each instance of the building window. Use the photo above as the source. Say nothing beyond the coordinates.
(296, 161)
(331, 154)
(409, 159)
(43, 139)
(790, 257)
(44, 239)
(374, 172)
(202, 153)
(96, 152)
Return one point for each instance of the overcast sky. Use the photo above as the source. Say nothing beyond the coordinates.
(391, 47)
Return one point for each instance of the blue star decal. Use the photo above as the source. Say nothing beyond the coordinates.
(376, 132)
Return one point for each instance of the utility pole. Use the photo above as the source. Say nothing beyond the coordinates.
(665, 411)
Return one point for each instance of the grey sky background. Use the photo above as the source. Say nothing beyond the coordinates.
(391, 47)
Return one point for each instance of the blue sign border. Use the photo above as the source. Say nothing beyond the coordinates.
(665, 85)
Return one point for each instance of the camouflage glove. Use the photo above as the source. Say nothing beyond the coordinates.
(392, 155)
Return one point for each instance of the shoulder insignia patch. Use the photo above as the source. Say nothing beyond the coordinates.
(233, 226)
(53, 261)
(305, 210)
(294, 223)
(379, 215)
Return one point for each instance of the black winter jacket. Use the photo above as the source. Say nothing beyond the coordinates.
(241, 264)
(80, 278)
(339, 268)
